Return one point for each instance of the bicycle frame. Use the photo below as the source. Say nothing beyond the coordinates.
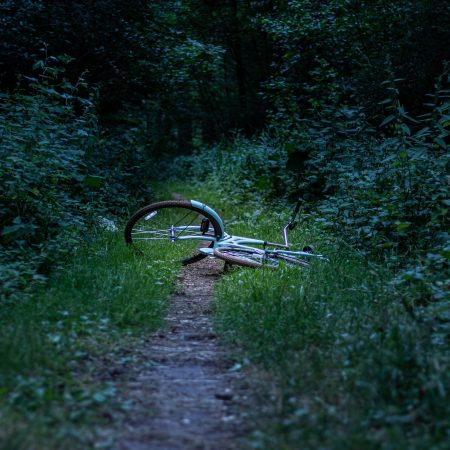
(240, 242)
(209, 229)
(245, 243)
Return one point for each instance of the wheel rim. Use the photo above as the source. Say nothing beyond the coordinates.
(161, 233)
(242, 254)
(245, 257)
(254, 258)
(292, 260)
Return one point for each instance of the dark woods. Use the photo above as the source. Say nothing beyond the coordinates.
(211, 67)
(353, 97)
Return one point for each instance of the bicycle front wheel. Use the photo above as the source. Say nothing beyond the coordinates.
(172, 231)
(290, 260)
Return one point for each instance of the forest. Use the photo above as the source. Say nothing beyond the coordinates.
(107, 106)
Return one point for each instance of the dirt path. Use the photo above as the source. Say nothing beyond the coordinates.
(185, 397)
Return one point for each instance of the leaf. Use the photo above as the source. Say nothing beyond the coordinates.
(38, 65)
(423, 131)
(235, 368)
(406, 116)
(403, 226)
(290, 147)
(387, 120)
(11, 229)
(94, 181)
(32, 79)
(99, 397)
(441, 143)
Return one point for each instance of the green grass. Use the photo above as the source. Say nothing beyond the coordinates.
(57, 344)
(349, 366)
(344, 360)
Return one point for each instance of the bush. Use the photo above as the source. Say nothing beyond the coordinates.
(59, 173)
(241, 168)
(389, 195)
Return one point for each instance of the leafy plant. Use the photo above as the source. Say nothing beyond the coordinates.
(344, 364)
(65, 346)
(59, 172)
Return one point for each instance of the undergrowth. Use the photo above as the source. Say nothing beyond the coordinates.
(408, 232)
(385, 191)
(348, 365)
(61, 173)
(352, 357)
(62, 346)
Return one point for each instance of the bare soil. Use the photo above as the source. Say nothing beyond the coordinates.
(185, 396)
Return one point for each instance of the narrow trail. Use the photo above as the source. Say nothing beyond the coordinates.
(185, 397)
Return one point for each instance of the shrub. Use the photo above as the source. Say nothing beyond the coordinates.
(59, 172)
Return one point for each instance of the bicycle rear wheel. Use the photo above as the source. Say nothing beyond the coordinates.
(241, 257)
(291, 260)
(255, 258)
(172, 231)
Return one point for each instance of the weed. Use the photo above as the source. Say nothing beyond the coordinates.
(351, 367)
(54, 342)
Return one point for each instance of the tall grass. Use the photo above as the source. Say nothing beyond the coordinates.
(56, 344)
(355, 357)
(349, 365)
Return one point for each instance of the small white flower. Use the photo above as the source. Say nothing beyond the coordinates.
(107, 224)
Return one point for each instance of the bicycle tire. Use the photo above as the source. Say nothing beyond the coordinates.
(241, 257)
(292, 260)
(255, 259)
(157, 221)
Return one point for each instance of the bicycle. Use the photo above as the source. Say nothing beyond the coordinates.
(188, 231)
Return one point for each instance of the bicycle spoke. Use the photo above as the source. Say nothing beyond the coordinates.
(173, 230)
(160, 232)
(185, 228)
